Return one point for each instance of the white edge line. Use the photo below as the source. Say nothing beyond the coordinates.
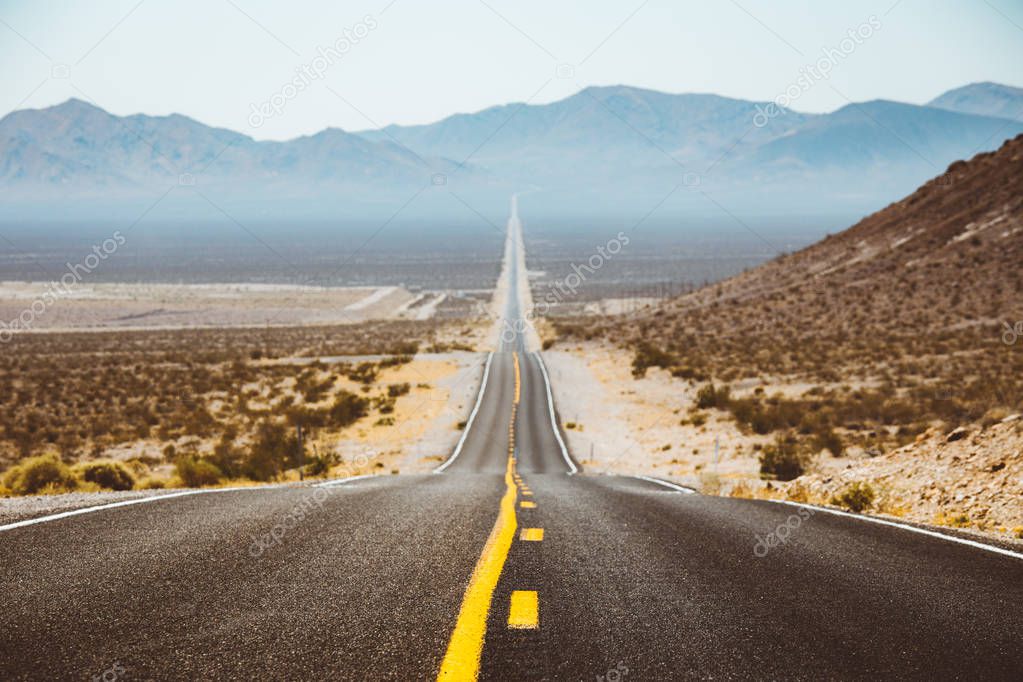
(904, 526)
(125, 503)
(342, 481)
(554, 421)
(667, 484)
(472, 417)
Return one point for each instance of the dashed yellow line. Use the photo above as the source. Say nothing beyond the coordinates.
(518, 378)
(524, 610)
(531, 535)
(526, 504)
(462, 658)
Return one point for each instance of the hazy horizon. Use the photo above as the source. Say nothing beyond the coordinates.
(116, 56)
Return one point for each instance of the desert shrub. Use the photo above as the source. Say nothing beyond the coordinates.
(107, 473)
(274, 449)
(708, 396)
(688, 372)
(226, 457)
(783, 459)
(398, 358)
(385, 405)
(856, 497)
(38, 474)
(396, 390)
(320, 465)
(827, 439)
(347, 409)
(300, 415)
(364, 372)
(647, 355)
(195, 472)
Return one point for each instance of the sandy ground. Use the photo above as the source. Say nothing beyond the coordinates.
(33, 305)
(617, 424)
(426, 421)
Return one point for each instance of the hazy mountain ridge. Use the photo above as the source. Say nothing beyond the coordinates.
(616, 144)
(79, 148)
(987, 99)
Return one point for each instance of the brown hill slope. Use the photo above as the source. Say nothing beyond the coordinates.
(889, 326)
(897, 345)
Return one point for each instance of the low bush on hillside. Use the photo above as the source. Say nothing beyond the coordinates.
(196, 472)
(858, 496)
(647, 355)
(708, 396)
(783, 459)
(276, 448)
(107, 474)
(398, 390)
(43, 473)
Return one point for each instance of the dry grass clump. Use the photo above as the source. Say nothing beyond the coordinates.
(107, 474)
(857, 497)
(41, 474)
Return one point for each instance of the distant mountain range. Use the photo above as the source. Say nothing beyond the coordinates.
(76, 148)
(985, 99)
(614, 146)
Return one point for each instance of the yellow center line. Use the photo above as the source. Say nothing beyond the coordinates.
(531, 535)
(526, 504)
(462, 658)
(518, 378)
(524, 611)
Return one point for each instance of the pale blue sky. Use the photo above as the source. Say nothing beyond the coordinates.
(213, 59)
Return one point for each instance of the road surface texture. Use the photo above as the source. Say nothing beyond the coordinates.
(507, 563)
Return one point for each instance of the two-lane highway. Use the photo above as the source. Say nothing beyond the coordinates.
(507, 563)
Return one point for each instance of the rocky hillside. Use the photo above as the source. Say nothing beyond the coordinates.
(908, 317)
(884, 364)
(943, 265)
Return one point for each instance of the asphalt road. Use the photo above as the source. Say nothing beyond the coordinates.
(408, 577)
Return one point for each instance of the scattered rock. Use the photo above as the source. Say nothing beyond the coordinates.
(957, 434)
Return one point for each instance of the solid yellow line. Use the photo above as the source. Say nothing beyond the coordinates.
(462, 658)
(524, 613)
(531, 535)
